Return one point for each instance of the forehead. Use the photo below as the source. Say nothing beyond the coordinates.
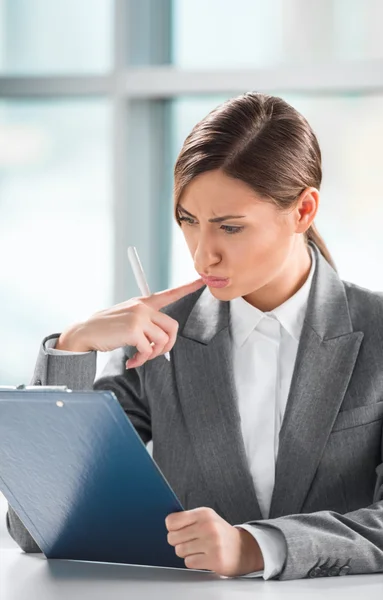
(215, 193)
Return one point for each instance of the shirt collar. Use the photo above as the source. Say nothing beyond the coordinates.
(244, 317)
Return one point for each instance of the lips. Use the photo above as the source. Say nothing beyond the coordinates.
(215, 281)
(212, 278)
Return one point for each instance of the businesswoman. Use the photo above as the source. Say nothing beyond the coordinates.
(267, 420)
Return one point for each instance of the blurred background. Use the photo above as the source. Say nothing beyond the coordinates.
(96, 98)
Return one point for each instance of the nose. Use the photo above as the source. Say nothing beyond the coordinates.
(205, 254)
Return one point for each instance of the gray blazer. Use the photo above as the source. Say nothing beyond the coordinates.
(328, 494)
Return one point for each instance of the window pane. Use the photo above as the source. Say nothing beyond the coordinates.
(45, 36)
(350, 130)
(255, 33)
(55, 224)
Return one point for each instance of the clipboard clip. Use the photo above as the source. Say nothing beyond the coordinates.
(35, 388)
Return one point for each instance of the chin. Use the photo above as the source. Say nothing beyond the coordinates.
(224, 294)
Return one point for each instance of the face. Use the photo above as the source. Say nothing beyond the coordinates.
(251, 247)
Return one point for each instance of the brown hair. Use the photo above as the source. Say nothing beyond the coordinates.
(264, 142)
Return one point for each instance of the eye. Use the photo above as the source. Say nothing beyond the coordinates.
(230, 229)
(188, 220)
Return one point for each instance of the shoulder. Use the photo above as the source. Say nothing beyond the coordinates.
(357, 293)
(363, 302)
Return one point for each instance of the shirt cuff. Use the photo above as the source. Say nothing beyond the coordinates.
(273, 547)
(50, 348)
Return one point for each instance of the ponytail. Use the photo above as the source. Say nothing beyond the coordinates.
(313, 235)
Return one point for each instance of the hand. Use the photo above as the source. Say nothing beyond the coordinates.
(206, 541)
(137, 322)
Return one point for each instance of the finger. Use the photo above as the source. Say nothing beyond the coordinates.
(190, 548)
(169, 326)
(161, 299)
(197, 561)
(144, 351)
(158, 337)
(181, 536)
(181, 519)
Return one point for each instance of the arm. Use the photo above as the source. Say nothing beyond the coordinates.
(350, 543)
(77, 371)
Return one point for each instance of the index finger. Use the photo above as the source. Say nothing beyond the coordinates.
(160, 299)
(182, 519)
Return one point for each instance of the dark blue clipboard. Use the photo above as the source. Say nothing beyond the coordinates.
(78, 475)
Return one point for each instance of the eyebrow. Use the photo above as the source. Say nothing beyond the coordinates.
(216, 219)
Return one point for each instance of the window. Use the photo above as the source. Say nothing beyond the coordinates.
(255, 33)
(56, 223)
(64, 36)
(96, 98)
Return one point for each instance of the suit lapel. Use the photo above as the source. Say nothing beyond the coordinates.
(204, 376)
(327, 353)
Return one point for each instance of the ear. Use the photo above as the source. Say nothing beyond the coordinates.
(306, 209)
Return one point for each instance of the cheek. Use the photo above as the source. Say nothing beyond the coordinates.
(256, 265)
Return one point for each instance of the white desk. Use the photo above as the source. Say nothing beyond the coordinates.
(33, 577)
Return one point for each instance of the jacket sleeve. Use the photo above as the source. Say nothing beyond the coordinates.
(326, 543)
(78, 371)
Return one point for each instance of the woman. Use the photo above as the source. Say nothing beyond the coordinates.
(273, 396)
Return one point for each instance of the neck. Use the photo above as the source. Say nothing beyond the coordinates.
(291, 278)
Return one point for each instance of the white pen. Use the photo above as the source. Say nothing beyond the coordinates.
(140, 278)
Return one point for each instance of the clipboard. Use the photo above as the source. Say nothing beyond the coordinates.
(78, 475)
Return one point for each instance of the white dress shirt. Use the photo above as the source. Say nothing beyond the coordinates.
(265, 346)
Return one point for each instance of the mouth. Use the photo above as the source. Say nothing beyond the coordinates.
(216, 282)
